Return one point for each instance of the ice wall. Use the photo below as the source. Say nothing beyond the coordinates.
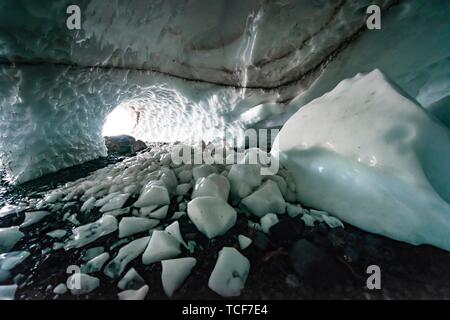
(374, 158)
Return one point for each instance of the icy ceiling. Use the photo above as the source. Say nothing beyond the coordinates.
(195, 69)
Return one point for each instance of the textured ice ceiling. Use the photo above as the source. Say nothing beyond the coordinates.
(194, 69)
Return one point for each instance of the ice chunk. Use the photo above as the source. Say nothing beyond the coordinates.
(60, 289)
(185, 176)
(10, 209)
(88, 233)
(162, 246)
(244, 178)
(57, 234)
(383, 169)
(182, 189)
(203, 171)
(8, 292)
(212, 216)
(81, 283)
(265, 199)
(244, 242)
(174, 272)
(230, 273)
(154, 193)
(332, 222)
(53, 197)
(115, 203)
(132, 225)
(134, 294)
(10, 260)
(9, 237)
(214, 185)
(96, 263)
(160, 214)
(131, 280)
(293, 210)
(118, 212)
(268, 221)
(126, 254)
(92, 253)
(145, 211)
(174, 230)
(33, 217)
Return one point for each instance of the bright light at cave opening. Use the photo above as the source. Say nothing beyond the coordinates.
(119, 121)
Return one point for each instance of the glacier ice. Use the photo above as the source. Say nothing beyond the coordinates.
(131, 280)
(384, 169)
(9, 237)
(267, 198)
(131, 294)
(244, 242)
(81, 283)
(132, 225)
(90, 232)
(214, 185)
(162, 246)
(96, 263)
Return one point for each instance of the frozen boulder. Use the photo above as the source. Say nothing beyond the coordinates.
(265, 199)
(154, 193)
(132, 225)
(162, 246)
(384, 168)
(174, 272)
(214, 185)
(212, 216)
(230, 273)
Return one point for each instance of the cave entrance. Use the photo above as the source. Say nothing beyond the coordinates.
(121, 121)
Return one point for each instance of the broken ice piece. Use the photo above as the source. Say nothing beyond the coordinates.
(268, 221)
(153, 193)
(132, 225)
(9, 209)
(88, 204)
(88, 233)
(10, 260)
(244, 242)
(126, 254)
(174, 230)
(131, 280)
(92, 253)
(174, 272)
(33, 217)
(160, 214)
(177, 215)
(9, 237)
(293, 210)
(214, 185)
(96, 263)
(57, 234)
(230, 273)
(265, 199)
(212, 216)
(115, 203)
(8, 292)
(134, 294)
(60, 289)
(81, 283)
(332, 222)
(162, 246)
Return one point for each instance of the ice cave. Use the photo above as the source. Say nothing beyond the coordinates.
(203, 149)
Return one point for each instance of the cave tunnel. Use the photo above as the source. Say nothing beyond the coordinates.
(313, 136)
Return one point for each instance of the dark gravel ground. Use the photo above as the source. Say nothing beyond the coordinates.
(407, 272)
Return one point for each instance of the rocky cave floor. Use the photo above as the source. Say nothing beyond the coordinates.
(334, 268)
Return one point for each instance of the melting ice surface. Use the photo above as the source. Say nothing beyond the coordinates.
(384, 168)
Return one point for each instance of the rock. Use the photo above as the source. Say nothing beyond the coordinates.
(120, 145)
(261, 241)
(132, 225)
(214, 185)
(162, 246)
(268, 221)
(212, 216)
(126, 254)
(139, 145)
(266, 199)
(244, 242)
(174, 272)
(134, 294)
(287, 230)
(230, 273)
